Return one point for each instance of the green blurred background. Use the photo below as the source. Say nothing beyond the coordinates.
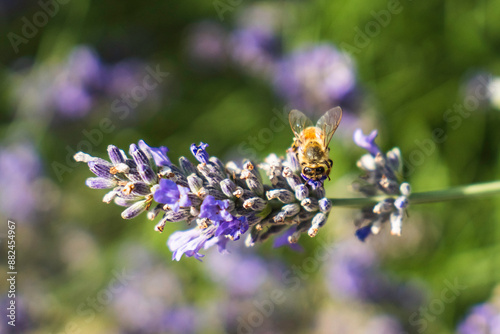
(417, 65)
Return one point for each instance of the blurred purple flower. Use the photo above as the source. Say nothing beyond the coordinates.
(21, 168)
(241, 273)
(181, 320)
(315, 78)
(255, 50)
(122, 77)
(482, 319)
(354, 273)
(206, 44)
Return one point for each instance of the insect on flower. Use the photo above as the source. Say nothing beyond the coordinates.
(311, 143)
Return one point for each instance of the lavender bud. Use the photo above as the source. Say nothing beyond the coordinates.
(366, 163)
(210, 173)
(380, 160)
(135, 209)
(138, 155)
(218, 164)
(187, 166)
(154, 211)
(376, 226)
(101, 168)
(194, 211)
(115, 155)
(147, 151)
(83, 157)
(318, 221)
(140, 189)
(195, 183)
(253, 218)
(195, 200)
(109, 196)
(161, 225)
(255, 203)
(310, 204)
(383, 206)
(325, 205)
(394, 160)
(319, 192)
(147, 174)
(389, 186)
(252, 238)
(122, 168)
(396, 223)
(126, 202)
(401, 202)
(283, 195)
(255, 185)
(232, 168)
(288, 210)
(173, 216)
(228, 187)
(133, 175)
(294, 238)
(405, 189)
(100, 183)
(301, 192)
(243, 193)
(216, 193)
(292, 179)
(292, 161)
(131, 163)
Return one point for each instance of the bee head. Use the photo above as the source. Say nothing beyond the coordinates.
(316, 172)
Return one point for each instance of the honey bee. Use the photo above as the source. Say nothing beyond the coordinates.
(311, 143)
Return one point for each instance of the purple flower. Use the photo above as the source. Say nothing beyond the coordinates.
(367, 142)
(172, 194)
(159, 153)
(314, 183)
(21, 171)
(482, 319)
(179, 321)
(241, 273)
(233, 228)
(316, 78)
(255, 49)
(199, 152)
(190, 242)
(215, 210)
(363, 232)
(206, 44)
(227, 224)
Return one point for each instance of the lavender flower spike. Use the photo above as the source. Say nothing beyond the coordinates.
(223, 200)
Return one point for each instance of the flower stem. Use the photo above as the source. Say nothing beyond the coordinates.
(468, 191)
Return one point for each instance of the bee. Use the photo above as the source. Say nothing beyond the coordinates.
(311, 143)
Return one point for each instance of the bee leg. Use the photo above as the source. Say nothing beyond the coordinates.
(330, 162)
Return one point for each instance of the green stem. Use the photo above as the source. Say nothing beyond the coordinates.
(468, 191)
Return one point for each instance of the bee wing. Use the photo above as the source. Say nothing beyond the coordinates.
(298, 122)
(328, 123)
